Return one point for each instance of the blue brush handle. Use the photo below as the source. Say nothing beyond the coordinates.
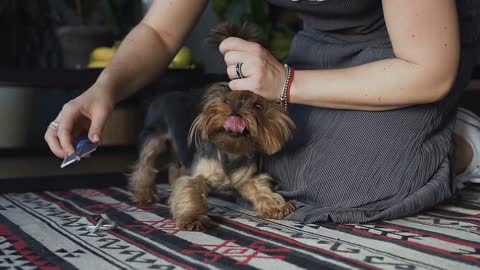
(81, 142)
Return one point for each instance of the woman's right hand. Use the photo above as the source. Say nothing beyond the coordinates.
(86, 113)
(144, 51)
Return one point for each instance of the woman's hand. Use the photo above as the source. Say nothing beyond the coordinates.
(263, 74)
(88, 112)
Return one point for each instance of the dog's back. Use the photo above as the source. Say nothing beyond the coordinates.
(171, 115)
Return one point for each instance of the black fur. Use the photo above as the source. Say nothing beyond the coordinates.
(230, 162)
(173, 113)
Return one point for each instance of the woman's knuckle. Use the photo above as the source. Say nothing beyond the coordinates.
(265, 63)
(61, 132)
(228, 56)
(260, 64)
(69, 106)
(227, 41)
(257, 48)
(259, 71)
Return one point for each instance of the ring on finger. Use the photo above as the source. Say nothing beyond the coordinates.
(238, 70)
(53, 125)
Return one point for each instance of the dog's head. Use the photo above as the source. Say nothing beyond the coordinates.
(241, 122)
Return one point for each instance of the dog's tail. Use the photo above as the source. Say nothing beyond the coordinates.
(246, 30)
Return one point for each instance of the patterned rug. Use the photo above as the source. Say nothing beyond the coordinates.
(46, 230)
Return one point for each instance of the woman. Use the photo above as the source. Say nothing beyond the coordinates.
(374, 100)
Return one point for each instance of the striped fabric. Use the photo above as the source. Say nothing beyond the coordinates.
(361, 20)
(358, 166)
(46, 230)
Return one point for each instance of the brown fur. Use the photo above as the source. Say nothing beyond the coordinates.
(175, 171)
(246, 31)
(142, 180)
(267, 128)
(188, 200)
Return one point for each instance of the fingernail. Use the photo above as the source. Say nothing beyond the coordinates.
(95, 138)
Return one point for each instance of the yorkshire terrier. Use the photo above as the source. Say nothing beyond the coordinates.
(228, 136)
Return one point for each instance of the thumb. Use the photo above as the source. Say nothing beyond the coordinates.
(99, 119)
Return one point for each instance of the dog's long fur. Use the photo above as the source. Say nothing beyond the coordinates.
(221, 159)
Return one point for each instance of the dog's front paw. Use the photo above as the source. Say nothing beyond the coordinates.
(147, 196)
(201, 223)
(277, 212)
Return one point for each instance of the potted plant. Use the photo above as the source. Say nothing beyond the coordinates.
(81, 32)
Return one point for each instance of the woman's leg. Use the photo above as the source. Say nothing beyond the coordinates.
(463, 154)
(467, 145)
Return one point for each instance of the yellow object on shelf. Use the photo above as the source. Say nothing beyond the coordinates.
(98, 64)
(183, 59)
(176, 66)
(102, 54)
(100, 57)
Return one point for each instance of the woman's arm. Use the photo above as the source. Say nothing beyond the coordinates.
(144, 53)
(150, 46)
(425, 40)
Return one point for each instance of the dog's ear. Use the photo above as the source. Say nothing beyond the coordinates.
(216, 92)
(214, 95)
(197, 130)
(276, 130)
(217, 89)
(247, 31)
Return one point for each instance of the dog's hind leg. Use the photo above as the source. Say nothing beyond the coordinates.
(142, 180)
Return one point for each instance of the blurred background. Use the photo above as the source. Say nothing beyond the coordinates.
(44, 43)
(53, 50)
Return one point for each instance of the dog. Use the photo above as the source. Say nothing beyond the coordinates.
(228, 135)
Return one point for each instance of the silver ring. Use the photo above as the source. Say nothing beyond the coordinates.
(238, 70)
(53, 125)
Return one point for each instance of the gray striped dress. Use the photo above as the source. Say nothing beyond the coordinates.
(359, 166)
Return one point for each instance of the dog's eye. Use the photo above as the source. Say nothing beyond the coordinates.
(258, 107)
(226, 101)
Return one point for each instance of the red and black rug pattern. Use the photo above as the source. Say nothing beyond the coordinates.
(46, 230)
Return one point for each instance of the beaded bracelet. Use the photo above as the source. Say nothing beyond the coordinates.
(287, 84)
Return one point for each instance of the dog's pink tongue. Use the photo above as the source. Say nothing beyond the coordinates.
(234, 124)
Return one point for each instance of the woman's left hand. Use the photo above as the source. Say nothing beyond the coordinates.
(263, 74)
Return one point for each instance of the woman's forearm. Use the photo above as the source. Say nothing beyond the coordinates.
(425, 40)
(141, 56)
(148, 49)
(382, 85)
